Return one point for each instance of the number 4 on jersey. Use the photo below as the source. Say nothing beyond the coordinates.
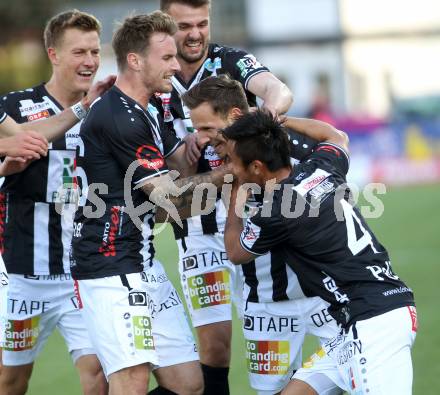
(351, 220)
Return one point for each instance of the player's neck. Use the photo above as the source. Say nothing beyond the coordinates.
(66, 97)
(188, 70)
(278, 175)
(134, 89)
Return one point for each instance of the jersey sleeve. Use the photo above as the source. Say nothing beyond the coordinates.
(261, 234)
(242, 65)
(331, 156)
(2, 114)
(301, 145)
(133, 142)
(170, 140)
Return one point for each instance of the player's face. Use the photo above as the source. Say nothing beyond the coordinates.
(243, 173)
(208, 123)
(77, 59)
(192, 37)
(160, 63)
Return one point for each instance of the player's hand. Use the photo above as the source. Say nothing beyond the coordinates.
(25, 145)
(13, 165)
(192, 148)
(98, 89)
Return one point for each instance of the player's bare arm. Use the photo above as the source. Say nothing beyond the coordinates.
(320, 131)
(181, 162)
(233, 228)
(54, 127)
(178, 195)
(276, 96)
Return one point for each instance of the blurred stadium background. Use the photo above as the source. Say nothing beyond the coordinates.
(369, 67)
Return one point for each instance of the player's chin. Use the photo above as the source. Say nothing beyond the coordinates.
(167, 86)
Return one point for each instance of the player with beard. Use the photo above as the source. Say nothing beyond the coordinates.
(277, 315)
(35, 237)
(202, 256)
(307, 214)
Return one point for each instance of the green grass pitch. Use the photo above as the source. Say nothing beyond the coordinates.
(409, 228)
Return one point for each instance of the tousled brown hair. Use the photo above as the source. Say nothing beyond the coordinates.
(134, 34)
(166, 4)
(73, 19)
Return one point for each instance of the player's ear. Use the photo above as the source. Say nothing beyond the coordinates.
(257, 167)
(133, 61)
(234, 114)
(52, 55)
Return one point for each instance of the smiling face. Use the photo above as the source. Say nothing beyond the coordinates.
(75, 59)
(208, 123)
(159, 63)
(193, 35)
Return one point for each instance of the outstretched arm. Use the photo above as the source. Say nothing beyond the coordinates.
(54, 127)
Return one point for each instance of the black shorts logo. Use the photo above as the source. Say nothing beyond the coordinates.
(248, 323)
(32, 276)
(137, 299)
(190, 262)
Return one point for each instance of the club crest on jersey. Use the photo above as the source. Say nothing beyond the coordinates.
(211, 156)
(150, 157)
(250, 234)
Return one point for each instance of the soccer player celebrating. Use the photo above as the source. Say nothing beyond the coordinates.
(202, 257)
(35, 238)
(277, 314)
(308, 216)
(131, 308)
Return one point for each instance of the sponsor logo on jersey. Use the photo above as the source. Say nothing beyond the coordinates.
(111, 230)
(21, 335)
(190, 262)
(209, 289)
(211, 156)
(38, 115)
(268, 357)
(330, 285)
(150, 157)
(413, 313)
(142, 333)
(313, 181)
(247, 64)
(213, 65)
(30, 109)
(28, 307)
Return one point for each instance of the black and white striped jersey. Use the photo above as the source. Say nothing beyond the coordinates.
(241, 66)
(268, 278)
(124, 145)
(35, 238)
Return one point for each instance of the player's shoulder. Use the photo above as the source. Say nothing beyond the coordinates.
(13, 97)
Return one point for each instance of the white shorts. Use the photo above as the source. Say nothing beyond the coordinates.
(274, 333)
(36, 305)
(4, 281)
(208, 278)
(136, 318)
(373, 357)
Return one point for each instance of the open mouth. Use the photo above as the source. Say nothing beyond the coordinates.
(85, 74)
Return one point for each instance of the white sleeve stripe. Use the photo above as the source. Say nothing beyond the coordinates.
(248, 250)
(246, 83)
(151, 176)
(339, 148)
(181, 142)
(3, 117)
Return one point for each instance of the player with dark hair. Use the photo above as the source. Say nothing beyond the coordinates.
(307, 215)
(200, 241)
(35, 237)
(277, 316)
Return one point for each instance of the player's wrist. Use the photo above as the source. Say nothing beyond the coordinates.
(80, 109)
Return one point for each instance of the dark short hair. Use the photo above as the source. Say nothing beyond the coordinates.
(73, 19)
(259, 136)
(221, 92)
(134, 34)
(166, 4)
